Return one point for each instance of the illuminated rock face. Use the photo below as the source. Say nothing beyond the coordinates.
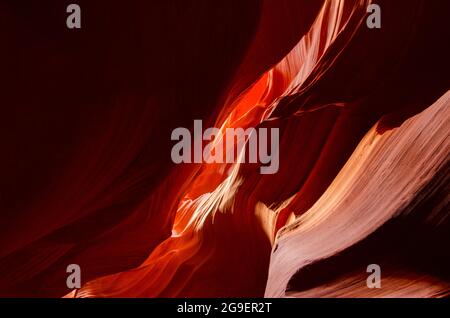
(364, 119)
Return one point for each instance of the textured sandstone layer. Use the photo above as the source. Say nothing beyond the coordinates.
(364, 149)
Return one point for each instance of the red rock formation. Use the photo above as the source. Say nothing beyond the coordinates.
(364, 119)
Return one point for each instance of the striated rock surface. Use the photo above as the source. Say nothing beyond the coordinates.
(364, 119)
